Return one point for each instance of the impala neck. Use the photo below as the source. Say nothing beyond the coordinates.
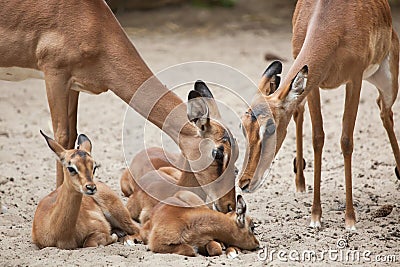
(152, 100)
(134, 83)
(188, 179)
(66, 208)
(316, 52)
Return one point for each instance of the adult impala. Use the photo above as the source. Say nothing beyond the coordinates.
(341, 42)
(80, 46)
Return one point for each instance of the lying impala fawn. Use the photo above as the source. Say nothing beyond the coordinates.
(186, 224)
(79, 46)
(80, 213)
(341, 42)
(153, 175)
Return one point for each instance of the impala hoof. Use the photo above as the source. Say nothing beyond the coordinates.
(315, 225)
(114, 237)
(397, 172)
(129, 243)
(351, 228)
(231, 253)
(295, 163)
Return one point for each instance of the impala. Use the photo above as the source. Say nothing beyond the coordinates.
(186, 224)
(341, 42)
(80, 213)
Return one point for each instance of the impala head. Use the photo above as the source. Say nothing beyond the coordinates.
(245, 237)
(218, 145)
(79, 166)
(264, 123)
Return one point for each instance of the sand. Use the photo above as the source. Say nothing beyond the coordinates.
(28, 166)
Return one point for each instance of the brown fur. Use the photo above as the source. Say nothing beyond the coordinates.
(338, 41)
(179, 229)
(69, 218)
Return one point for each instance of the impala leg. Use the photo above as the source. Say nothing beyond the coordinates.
(349, 118)
(213, 248)
(58, 98)
(387, 120)
(318, 137)
(298, 163)
(232, 252)
(386, 81)
(134, 207)
(122, 219)
(72, 117)
(114, 210)
(99, 239)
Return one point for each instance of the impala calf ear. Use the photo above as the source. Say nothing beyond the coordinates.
(240, 211)
(84, 143)
(197, 110)
(56, 147)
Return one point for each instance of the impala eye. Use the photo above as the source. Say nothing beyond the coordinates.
(218, 153)
(72, 170)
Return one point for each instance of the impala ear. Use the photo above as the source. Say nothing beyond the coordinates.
(274, 84)
(56, 147)
(197, 111)
(270, 79)
(240, 211)
(297, 86)
(202, 89)
(275, 68)
(84, 143)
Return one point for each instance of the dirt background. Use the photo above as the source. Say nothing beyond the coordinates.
(241, 37)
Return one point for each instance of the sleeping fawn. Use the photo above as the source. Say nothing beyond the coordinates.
(185, 224)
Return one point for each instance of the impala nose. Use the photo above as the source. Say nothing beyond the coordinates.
(91, 189)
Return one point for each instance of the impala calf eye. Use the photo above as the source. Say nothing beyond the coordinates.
(72, 170)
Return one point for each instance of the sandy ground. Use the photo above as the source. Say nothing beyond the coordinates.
(28, 171)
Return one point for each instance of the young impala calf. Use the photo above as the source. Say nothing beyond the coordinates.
(80, 213)
(153, 175)
(186, 224)
(340, 42)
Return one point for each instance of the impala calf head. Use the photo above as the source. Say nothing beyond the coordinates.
(245, 237)
(264, 123)
(218, 146)
(79, 166)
